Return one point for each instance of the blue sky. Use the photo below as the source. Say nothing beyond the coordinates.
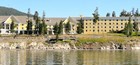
(65, 8)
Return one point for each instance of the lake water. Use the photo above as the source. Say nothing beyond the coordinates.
(67, 57)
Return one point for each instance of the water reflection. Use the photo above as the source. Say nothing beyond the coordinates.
(81, 57)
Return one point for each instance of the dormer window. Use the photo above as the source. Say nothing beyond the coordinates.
(47, 20)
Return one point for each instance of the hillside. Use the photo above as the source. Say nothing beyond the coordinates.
(5, 11)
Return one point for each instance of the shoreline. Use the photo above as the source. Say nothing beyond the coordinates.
(83, 43)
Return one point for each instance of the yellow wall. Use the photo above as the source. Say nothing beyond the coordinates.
(103, 26)
(9, 20)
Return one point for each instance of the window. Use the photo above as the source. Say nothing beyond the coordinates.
(109, 26)
(93, 27)
(101, 19)
(116, 23)
(116, 26)
(98, 26)
(98, 23)
(110, 20)
(86, 27)
(86, 30)
(121, 19)
(105, 20)
(105, 26)
(105, 30)
(125, 19)
(121, 26)
(22, 24)
(90, 20)
(117, 20)
(93, 30)
(22, 28)
(121, 23)
(105, 23)
(86, 23)
(109, 23)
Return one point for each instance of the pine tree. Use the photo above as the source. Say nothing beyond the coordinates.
(113, 14)
(29, 27)
(136, 28)
(80, 26)
(12, 26)
(108, 15)
(40, 28)
(137, 13)
(36, 18)
(55, 28)
(44, 26)
(68, 27)
(60, 27)
(95, 15)
(129, 28)
(123, 13)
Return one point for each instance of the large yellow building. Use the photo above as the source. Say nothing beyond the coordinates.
(103, 25)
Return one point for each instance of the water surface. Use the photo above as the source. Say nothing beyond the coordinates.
(67, 57)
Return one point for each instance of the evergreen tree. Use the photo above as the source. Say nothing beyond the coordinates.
(40, 28)
(136, 28)
(82, 23)
(95, 15)
(29, 27)
(36, 18)
(12, 26)
(57, 37)
(108, 15)
(44, 26)
(56, 28)
(68, 27)
(123, 13)
(129, 28)
(128, 14)
(137, 13)
(28, 14)
(113, 14)
(80, 26)
(60, 27)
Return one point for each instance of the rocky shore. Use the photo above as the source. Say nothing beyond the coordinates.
(41, 44)
(129, 45)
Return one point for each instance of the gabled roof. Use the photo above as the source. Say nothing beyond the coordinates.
(3, 18)
(74, 19)
(53, 21)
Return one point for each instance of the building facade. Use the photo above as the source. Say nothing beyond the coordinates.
(106, 24)
(103, 25)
